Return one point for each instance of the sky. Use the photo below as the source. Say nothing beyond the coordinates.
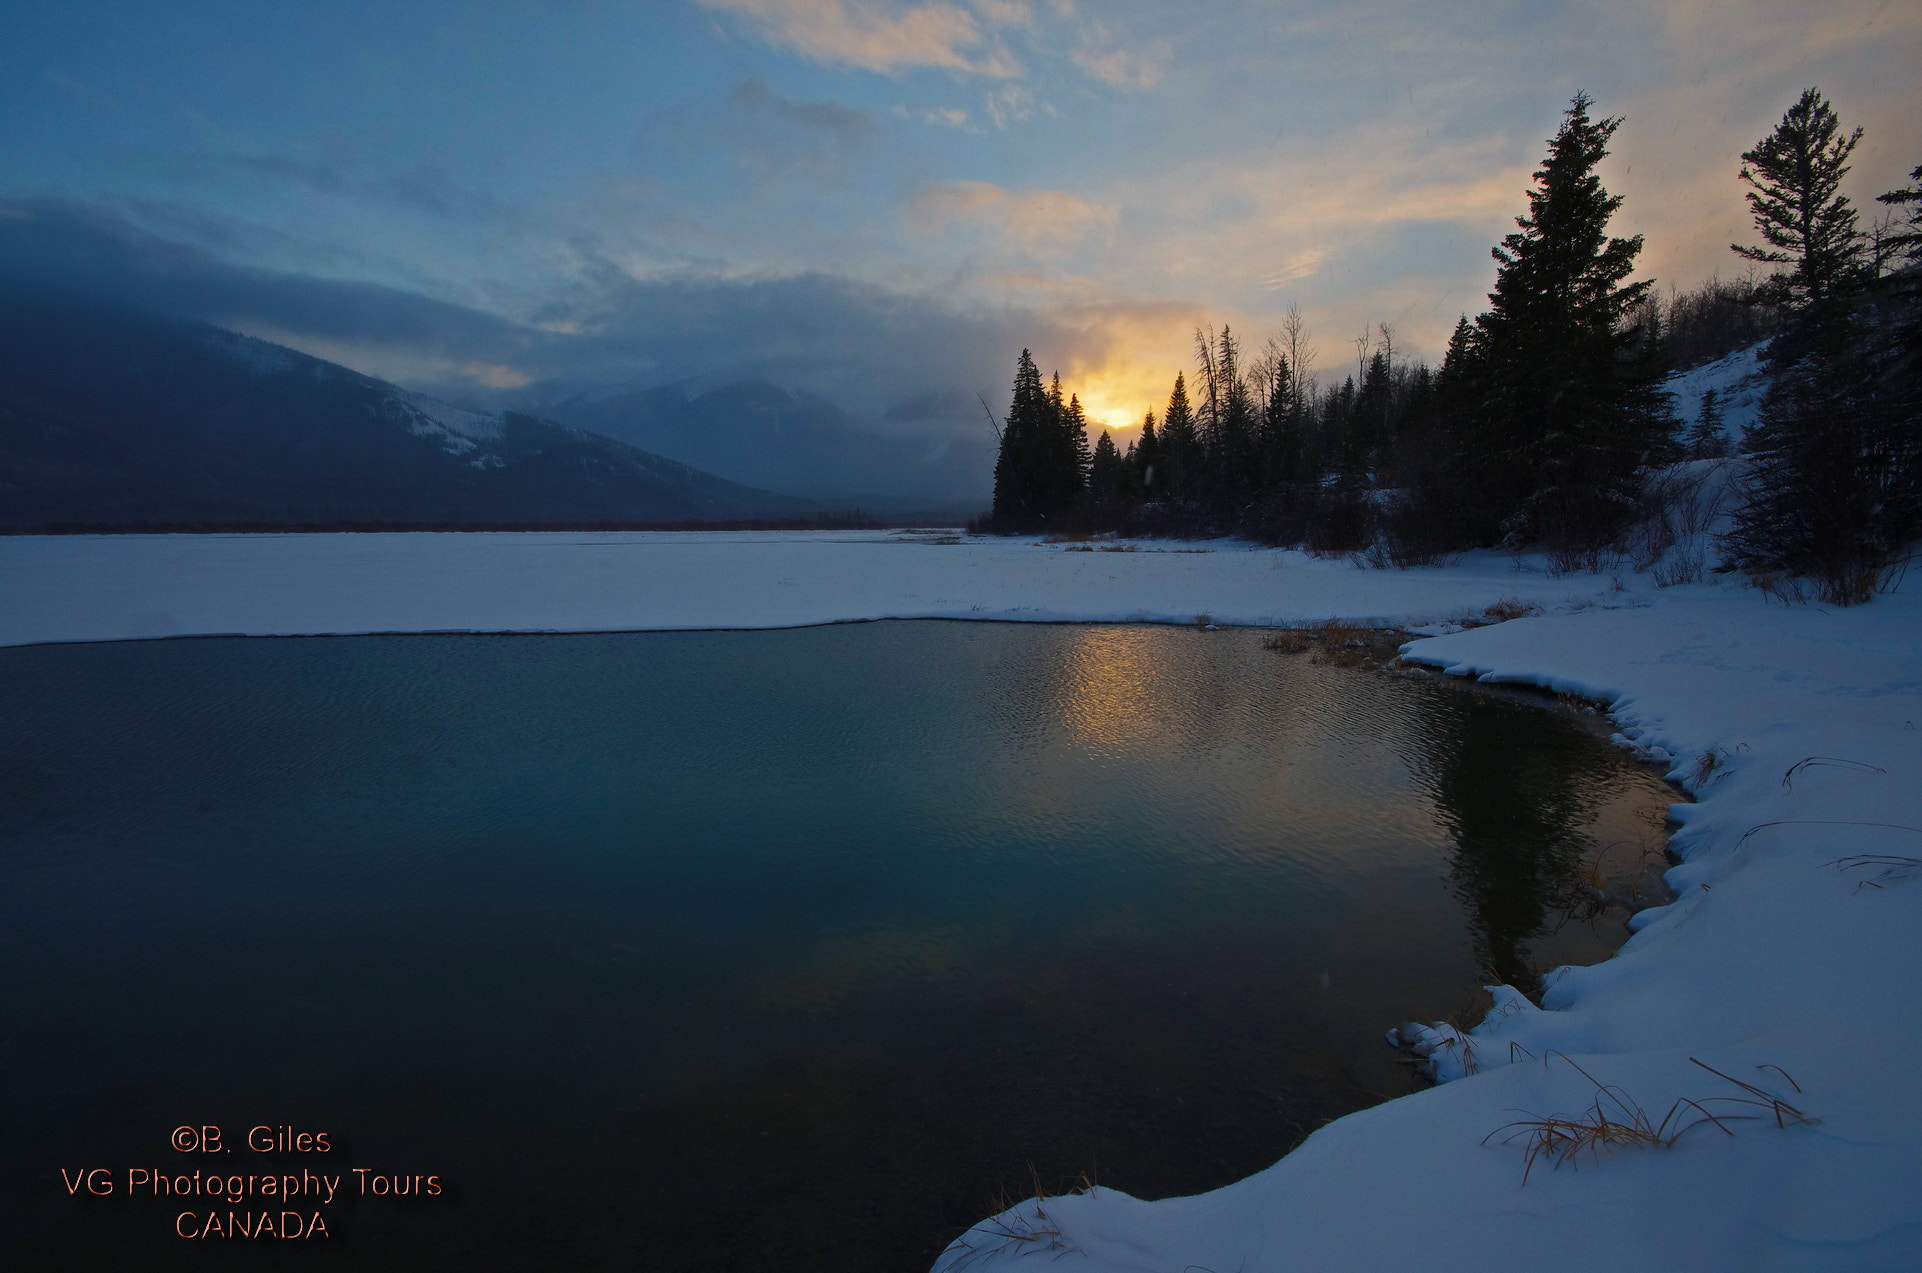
(878, 201)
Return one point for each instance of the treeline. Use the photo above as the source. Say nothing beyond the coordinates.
(1545, 423)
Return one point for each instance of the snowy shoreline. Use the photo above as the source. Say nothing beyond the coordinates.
(1799, 729)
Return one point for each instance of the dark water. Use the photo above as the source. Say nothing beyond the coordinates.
(743, 950)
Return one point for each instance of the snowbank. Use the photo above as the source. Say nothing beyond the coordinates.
(1799, 728)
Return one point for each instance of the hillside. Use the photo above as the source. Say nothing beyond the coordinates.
(115, 418)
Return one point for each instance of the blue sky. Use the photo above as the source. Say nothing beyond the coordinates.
(879, 200)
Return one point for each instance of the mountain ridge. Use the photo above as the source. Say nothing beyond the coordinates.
(117, 417)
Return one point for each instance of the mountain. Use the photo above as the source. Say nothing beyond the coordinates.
(755, 432)
(110, 417)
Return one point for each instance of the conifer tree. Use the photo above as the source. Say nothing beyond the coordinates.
(1281, 437)
(1566, 415)
(1042, 468)
(1795, 178)
(1145, 456)
(1180, 444)
(1018, 501)
(1105, 474)
(1833, 490)
(1070, 470)
(1705, 438)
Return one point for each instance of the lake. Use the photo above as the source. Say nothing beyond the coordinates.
(790, 949)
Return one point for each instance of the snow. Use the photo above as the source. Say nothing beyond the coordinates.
(1799, 728)
(1739, 386)
(90, 588)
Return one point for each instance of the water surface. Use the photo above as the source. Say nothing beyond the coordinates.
(744, 950)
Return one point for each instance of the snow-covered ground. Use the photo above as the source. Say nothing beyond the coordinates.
(92, 588)
(1782, 962)
(1739, 386)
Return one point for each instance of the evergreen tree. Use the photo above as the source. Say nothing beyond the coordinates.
(1018, 501)
(1706, 440)
(1105, 477)
(1144, 457)
(1042, 467)
(1281, 440)
(1368, 435)
(1180, 445)
(1795, 178)
(1073, 456)
(1226, 424)
(1566, 413)
(1833, 490)
(1905, 243)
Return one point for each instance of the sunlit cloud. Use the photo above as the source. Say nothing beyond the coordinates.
(1040, 221)
(879, 37)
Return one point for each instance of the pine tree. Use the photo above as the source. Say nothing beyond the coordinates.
(1567, 414)
(1042, 468)
(1072, 455)
(1018, 501)
(1368, 436)
(1144, 459)
(1180, 445)
(1105, 477)
(1906, 243)
(1833, 490)
(1795, 178)
(1706, 440)
(1280, 435)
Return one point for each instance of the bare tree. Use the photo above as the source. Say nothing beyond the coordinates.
(1300, 349)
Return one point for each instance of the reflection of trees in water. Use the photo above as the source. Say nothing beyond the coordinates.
(1516, 792)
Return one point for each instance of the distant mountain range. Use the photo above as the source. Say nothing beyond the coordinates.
(113, 418)
(754, 432)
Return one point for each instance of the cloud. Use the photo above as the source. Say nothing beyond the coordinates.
(97, 252)
(1121, 62)
(863, 346)
(1009, 104)
(881, 37)
(1042, 222)
(843, 123)
(423, 189)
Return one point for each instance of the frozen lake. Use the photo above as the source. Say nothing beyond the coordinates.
(779, 949)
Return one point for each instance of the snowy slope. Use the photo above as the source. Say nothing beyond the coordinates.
(1739, 385)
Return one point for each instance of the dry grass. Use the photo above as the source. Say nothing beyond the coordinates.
(1616, 1120)
(1807, 762)
(1638, 886)
(1895, 867)
(1003, 1232)
(1342, 644)
(1509, 608)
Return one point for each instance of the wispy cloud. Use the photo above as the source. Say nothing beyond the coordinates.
(1042, 222)
(1121, 61)
(886, 38)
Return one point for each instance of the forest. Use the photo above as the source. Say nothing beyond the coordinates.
(1546, 427)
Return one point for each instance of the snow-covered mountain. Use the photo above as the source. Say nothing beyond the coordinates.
(114, 418)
